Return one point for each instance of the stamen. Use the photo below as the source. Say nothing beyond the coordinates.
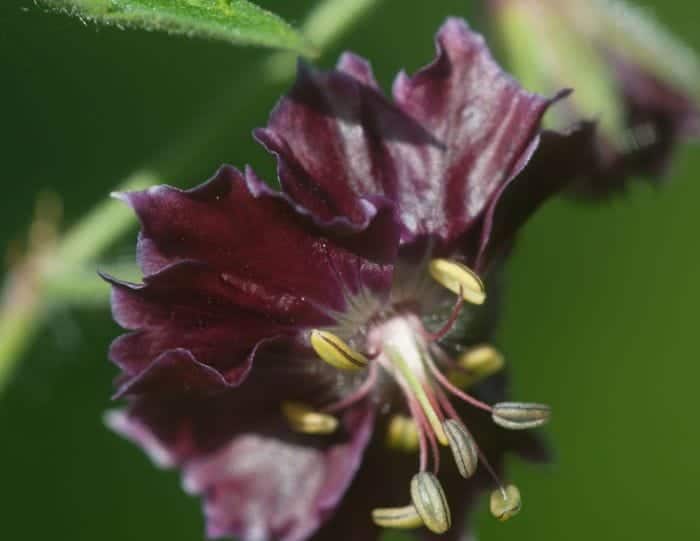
(450, 323)
(520, 415)
(476, 364)
(397, 517)
(402, 434)
(463, 447)
(430, 502)
(459, 279)
(451, 388)
(447, 406)
(423, 429)
(304, 419)
(333, 350)
(419, 392)
(356, 395)
(505, 502)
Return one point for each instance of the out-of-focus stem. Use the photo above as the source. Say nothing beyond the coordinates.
(64, 273)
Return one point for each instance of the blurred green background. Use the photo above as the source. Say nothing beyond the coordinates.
(600, 322)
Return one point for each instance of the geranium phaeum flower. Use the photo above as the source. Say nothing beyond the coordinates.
(283, 344)
(640, 86)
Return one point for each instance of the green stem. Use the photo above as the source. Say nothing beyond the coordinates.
(102, 225)
(18, 325)
(26, 296)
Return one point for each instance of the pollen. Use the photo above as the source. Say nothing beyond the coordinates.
(302, 418)
(459, 279)
(334, 351)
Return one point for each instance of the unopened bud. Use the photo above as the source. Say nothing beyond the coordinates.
(307, 421)
(520, 415)
(463, 447)
(397, 517)
(430, 502)
(505, 502)
(333, 350)
(458, 278)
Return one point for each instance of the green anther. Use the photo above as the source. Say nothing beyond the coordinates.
(429, 500)
(463, 448)
(520, 415)
(505, 502)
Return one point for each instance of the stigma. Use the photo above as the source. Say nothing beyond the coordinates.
(403, 350)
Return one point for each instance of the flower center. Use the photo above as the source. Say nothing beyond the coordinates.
(402, 348)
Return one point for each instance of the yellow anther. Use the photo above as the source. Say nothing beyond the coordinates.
(463, 448)
(307, 421)
(520, 415)
(333, 350)
(397, 517)
(505, 502)
(457, 277)
(476, 364)
(430, 502)
(402, 434)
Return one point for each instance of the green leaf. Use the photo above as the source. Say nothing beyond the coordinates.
(234, 21)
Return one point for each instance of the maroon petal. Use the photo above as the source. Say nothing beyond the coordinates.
(266, 483)
(461, 128)
(559, 160)
(234, 265)
(335, 137)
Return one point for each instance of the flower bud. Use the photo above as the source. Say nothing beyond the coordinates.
(430, 502)
(632, 78)
(520, 415)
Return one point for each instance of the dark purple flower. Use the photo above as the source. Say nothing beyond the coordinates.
(630, 76)
(283, 344)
